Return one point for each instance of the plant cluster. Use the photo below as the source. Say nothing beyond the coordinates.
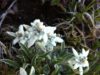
(43, 52)
(38, 49)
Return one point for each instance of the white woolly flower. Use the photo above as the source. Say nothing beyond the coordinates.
(34, 36)
(47, 31)
(35, 32)
(79, 60)
(45, 43)
(19, 35)
(37, 24)
(38, 32)
(52, 40)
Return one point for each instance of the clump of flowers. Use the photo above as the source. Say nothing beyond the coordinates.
(36, 34)
(44, 38)
(79, 61)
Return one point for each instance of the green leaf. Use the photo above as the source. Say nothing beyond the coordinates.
(57, 69)
(10, 63)
(46, 69)
(62, 46)
(25, 52)
(55, 2)
(96, 44)
(88, 7)
(97, 69)
(97, 18)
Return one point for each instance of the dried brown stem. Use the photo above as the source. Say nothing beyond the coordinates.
(6, 12)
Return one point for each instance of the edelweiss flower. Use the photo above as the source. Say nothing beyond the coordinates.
(79, 60)
(52, 40)
(35, 32)
(34, 36)
(37, 24)
(38, 32)
(19, 35)
(45, 43)
(47, 31)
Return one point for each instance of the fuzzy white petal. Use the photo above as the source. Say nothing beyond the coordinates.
(32, 71)
(15, 40)
(85, 53)
(21, 29)
(26, 26)
(49, 29)
(45, 38)
(76, 66)
(85, 64)
(23, 40)
(83, 50)
(81, 70)
(32, 24)
(58, 39)
(35, 22)
(75, 52)
(40, 35)
(22, 71)
(41, 26)
(11, 33)
(53, 43)
(31, 41)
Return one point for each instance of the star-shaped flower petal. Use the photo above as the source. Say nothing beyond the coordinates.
(79, 60)
(19, 35)
(38, 25)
